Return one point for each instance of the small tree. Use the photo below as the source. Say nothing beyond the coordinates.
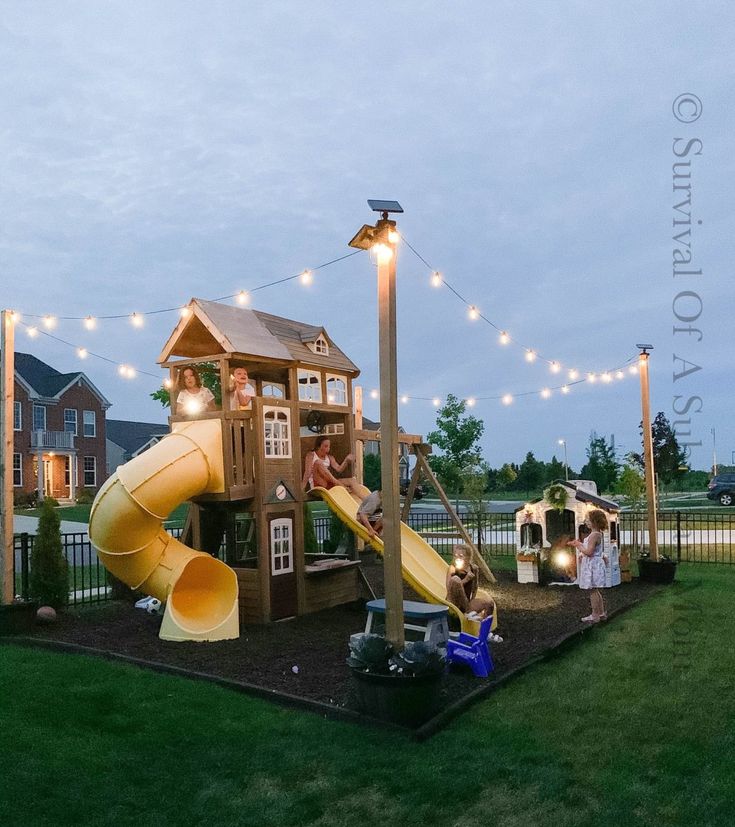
(457, 437)
(632, 486)
(473, 490)
(49, 580)
(601, 466)
(506, 477)
(530, 474)
(669, 459)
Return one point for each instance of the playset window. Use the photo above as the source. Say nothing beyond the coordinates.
(70, 420)
(333, 428)
(274, 389)
(336, 390)
(17, 416)
(281, 546)
(320, 346)
(310, 386)
(277, 430)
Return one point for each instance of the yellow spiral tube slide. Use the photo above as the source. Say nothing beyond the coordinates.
(126, 528)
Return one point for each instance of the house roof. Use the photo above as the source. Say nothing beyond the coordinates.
(48, 382)
(371, 425)
(131, 436)
(581, 495)
(251, 333)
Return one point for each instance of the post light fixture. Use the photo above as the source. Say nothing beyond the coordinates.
(566, 464)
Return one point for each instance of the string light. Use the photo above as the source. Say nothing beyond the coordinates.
(471, 401)
(565, 388)
(167, 383)
(136, 320)
(507, 399)
(90, 322)
(82, 352)
(555, 367)
(592, 377)
(633, 369)
(436, 279)
(32, 332)
(530, 355)
(504, 338)
(606, 377)
(374, 394)
(473, 312)
(14, 316)
(574, 374)
(436, 402)
(243, 297)
(619, 374)
(306, 277)
(185, 312)
(49, 322)
(545, 393)
(404, 399)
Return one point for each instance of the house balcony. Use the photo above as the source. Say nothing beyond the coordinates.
(53, 440)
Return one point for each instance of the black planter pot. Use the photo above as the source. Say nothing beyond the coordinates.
(657, 571)
(17, 618)
(404, 700)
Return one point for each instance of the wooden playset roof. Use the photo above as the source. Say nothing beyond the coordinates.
(212, 328)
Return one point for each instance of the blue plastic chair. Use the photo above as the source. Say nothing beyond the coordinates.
(473, 651)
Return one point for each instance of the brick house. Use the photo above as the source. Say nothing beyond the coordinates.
(58, 429)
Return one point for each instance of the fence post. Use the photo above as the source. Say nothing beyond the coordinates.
(24, 568)
(678, 536)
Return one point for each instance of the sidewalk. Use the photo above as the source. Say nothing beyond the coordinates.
(29, 525)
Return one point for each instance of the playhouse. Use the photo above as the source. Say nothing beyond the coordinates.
(543, 527)
(303, 387)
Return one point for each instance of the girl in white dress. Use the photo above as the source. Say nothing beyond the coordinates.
(193, 397)
(591, 575)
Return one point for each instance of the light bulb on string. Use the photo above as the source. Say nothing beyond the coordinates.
(90, 322)
(14, 316)
(507, 399)
(374, 394)
(306, 277)
(573, 374)
(136, 320)
(404, 400)
(243, 297)
(82, 352)
(592, 377)
(167, 383)
(32, 332)
(619, 374)
(606, 377)
(504, 338)
(555, 367)
(473, 312)
(49, 322)
(633, 369)
(565, 388)
(545, 393)
(530, 355)
(436, 279)
(185, 312)
(436, 402)
(471, 401)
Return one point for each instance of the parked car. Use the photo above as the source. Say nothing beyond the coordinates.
(722, 489)
(417, 494)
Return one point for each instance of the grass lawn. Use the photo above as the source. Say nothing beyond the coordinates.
(632, 727)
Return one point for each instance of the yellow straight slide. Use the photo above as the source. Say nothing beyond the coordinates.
(126, 528)
(423, 569)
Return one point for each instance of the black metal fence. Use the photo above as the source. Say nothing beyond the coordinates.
(88, 583)
(686, 536)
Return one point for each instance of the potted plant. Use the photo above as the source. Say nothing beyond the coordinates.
(660, 571)
(400, 687)
(18, 617)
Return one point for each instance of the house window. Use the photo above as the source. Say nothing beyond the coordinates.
(274, 389)
(70, 420)
(321, 346)
(336, 390)
(17, 470)
(17, 416)
(90, 472)
(39, 417)
(310, 386)
(281, 548)
(90, 423)
(276, 424)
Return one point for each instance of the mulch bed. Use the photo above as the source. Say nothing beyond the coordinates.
(305, 656)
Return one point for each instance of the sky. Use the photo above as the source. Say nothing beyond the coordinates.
(152, 152)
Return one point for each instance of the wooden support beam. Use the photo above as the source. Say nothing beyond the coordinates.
(7, 390)
(374, 436)
(412, 485)
(476, 556)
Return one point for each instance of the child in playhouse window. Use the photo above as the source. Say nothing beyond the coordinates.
(462, 588)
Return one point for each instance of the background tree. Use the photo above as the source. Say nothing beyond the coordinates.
(49, 579)
(669, 458)
(507, 476)
(371, 471)
(457, 437)
(632, 486)
(601, 465)
(530, 474)
(553, 470)
(474, 481)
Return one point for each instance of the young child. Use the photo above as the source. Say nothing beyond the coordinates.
(592, 563)
(462, 588)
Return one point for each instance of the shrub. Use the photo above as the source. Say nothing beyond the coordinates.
(25, 499)
(85, 497)
(49, 580)
(52, 501)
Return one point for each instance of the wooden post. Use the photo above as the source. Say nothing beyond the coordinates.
(389, 478)
(359, 445)
(412, 485)
(648, 456)
(7, 383)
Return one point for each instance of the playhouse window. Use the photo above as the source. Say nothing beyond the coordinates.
(275, 389)
(613, 531)
(531, 535)
(320, 346)
(336, 390)
(276, 424)
(281, 546)
(559, 525)
(310, 386)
